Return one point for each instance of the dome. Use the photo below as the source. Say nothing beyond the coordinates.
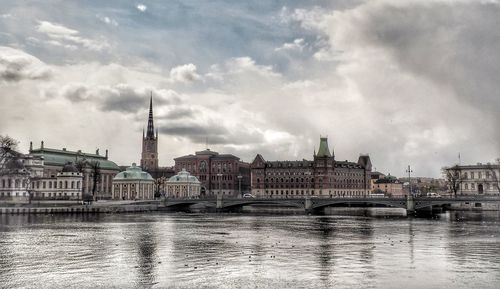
(183, 177)
(133, 173)
(69, 168)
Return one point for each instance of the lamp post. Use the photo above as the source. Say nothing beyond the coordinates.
(409, 171)
(239, 183)
(220, 180)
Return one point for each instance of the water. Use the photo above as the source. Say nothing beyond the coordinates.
(456, 250)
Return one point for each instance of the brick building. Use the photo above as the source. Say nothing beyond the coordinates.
(323, 176)
(219, 174)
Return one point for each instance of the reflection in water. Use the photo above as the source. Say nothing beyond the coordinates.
(145, 241)
(458, 250)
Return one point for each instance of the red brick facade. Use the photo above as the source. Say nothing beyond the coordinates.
(218, 173)
(323, 176)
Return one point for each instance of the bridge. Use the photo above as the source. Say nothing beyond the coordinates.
(317, 204)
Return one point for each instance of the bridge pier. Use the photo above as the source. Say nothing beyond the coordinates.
(219, 204)
(308, 205)
(410, 205)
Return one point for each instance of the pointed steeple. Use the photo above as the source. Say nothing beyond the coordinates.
(151, 130)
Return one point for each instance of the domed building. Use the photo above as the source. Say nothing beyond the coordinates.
(133, 184)
(183, 185)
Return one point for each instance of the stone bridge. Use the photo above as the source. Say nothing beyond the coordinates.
(316, 204)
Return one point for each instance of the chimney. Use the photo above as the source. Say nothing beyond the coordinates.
(106, 154)
(41, 145)
(31, 146)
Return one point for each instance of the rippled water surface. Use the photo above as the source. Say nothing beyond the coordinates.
(457, 250)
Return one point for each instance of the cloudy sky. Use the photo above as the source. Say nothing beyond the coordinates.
(409, 82)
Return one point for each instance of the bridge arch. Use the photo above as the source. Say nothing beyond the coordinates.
(361, 202)
(298, 203)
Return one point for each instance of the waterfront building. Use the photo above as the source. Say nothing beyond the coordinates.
(219, 174)
(66, 185)
(54, 161)
(322, 176)
(389, 186)
(133, 184)
(183, 185)
(479, 179)
(375, 176)
(25, 179)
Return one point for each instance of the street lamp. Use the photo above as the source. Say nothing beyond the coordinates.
(220, 180)
(239, 183)
(409, 171)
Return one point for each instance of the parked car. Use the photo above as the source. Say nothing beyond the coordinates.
(247, 195)
(433, 195)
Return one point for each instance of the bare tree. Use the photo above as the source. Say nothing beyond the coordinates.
(495, 178)
(95, 174)
(8, 152)
(11, 163)
(453, 178)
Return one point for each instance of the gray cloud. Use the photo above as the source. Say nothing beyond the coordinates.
(177, 113)
(121, 97)
(16, 65)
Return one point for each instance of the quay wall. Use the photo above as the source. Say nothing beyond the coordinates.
(79, 209)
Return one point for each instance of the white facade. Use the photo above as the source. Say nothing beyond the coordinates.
(133, 184)
(183, 185)
(28, 178)
(480, 179)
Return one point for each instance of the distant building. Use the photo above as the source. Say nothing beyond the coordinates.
(133, 184)
(26, 176)
(219, 174)
(149, 155)
(54, 161)
(323, 176)
(389, 185)
(479, 179)
(375, 176)
(183, 185)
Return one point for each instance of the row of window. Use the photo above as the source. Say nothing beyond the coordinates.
(286, 173)
(486, 186)
(39, 194)
(306, 192)
(487, 175)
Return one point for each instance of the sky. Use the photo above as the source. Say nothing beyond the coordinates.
(408, 82)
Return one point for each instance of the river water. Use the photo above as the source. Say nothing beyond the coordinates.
(169, 250)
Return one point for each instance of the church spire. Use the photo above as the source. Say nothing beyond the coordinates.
(151, 130)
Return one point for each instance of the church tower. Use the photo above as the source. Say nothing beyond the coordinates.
(149, 156)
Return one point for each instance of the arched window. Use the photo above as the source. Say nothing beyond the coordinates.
(65, 184)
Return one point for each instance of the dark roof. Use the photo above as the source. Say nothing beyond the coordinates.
(69, 168)
(346, 164)
(14, 165)
(62, 157)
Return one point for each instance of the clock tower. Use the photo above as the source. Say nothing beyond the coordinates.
(149, 156)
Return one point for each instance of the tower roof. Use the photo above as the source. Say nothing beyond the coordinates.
(323, 150)
(150, 134)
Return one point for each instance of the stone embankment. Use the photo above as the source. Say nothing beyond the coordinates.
(54, 208)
